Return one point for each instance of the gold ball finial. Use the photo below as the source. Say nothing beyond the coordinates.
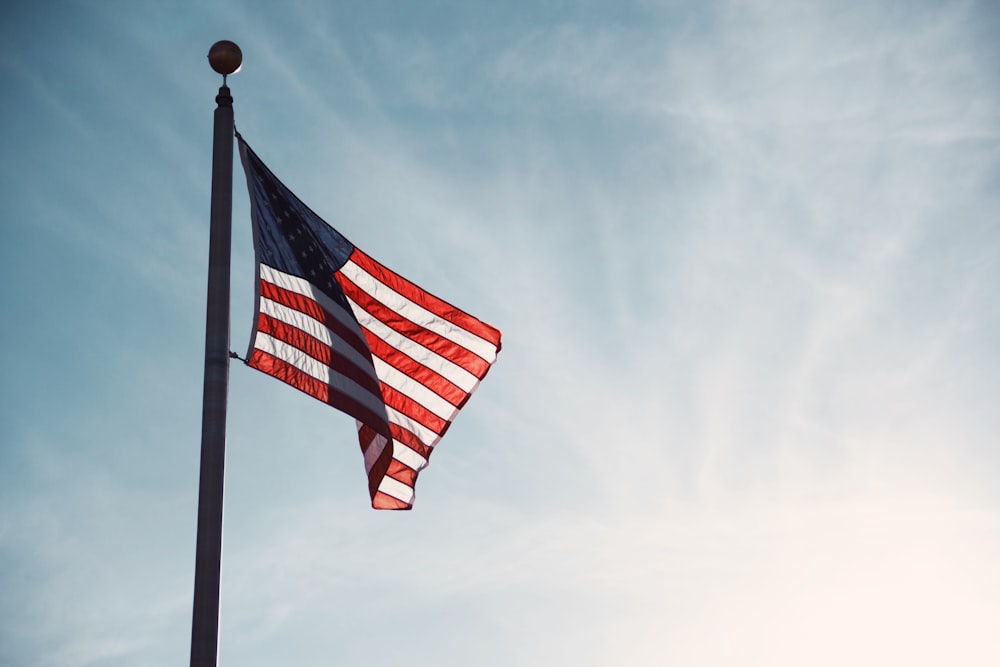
(225, 57)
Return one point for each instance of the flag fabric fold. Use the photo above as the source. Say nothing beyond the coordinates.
(341, 327)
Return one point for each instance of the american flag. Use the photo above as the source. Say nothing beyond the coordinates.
(337, 325)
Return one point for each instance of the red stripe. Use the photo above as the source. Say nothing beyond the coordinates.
(402, 473)
(410, 439)
(454, 352)
(321, 352)
(382, 501)
(365, 435)
(350, 335)
(289, 374)
(415, 411)
(412, 368)
(427, 300)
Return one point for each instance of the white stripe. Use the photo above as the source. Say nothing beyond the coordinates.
(416, 313)
(306, 289)
(405, 455)
(444, 367)
(413, 390)
(397, 490)
(375, 448)
(317, 369)
(424, 434)
(318, 330)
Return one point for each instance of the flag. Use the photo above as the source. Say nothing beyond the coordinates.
(337, 325)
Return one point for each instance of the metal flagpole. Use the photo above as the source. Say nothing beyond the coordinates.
(225, 58)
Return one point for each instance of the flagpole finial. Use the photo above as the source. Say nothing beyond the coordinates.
(225, 57)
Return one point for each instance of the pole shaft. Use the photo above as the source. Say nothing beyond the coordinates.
(208, 558)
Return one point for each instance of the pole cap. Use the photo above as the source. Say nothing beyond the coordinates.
(225, 57)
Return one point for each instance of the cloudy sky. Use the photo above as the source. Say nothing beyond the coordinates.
(745, 256)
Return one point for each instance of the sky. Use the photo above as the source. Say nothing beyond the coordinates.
(745, 256)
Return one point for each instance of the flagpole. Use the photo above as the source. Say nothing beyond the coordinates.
(225, 58)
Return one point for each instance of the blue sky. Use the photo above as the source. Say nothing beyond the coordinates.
(745, 256)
